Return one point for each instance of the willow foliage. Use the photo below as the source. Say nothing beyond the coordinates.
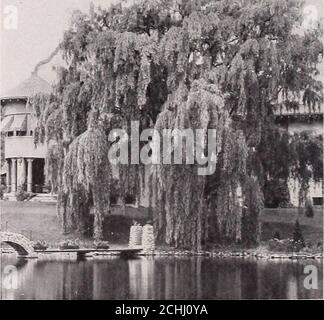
(84, 165)
(178, 64)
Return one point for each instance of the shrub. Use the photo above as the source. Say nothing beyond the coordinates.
(286, 245)
(22, 195)
(69, 244)
(40, 245)
(312, 248)
(2, 191)
(296, 246)
(279, 245)
(101, 245)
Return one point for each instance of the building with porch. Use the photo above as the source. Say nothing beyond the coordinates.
(24, 161)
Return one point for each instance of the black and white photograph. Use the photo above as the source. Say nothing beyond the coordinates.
(161, 151)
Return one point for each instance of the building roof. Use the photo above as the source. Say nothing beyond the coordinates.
(34, 84)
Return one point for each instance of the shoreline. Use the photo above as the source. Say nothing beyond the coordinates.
(252, 254)
(244, 254)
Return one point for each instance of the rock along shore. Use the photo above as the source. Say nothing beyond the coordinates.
(241, 254)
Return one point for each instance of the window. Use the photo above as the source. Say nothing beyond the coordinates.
(21, 133)
(10, 133)
(317, 201)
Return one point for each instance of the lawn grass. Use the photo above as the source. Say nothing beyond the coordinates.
(39, 221)
(283, 221)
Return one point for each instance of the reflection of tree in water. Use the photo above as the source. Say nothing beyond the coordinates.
(295, 281)
(200, 278)
(183, 278)
(161, 278)
(141, 278)
(279, 279)
(25, 272)
(292, 288)
(61, 279)
(167, 278)
(20, 263)
(110, 279)
(276, 279)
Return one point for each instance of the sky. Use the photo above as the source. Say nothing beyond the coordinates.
(41, 24)
(40, 27)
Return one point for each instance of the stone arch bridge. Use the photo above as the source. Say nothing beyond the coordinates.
(22, 245)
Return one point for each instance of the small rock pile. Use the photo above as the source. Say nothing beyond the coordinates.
(135, 236)
(148, 242)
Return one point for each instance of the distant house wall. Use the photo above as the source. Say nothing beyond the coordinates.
(315, 191)
(24, 167)
(22, 146)
(298, 125)
(316, 127)
(18, 108)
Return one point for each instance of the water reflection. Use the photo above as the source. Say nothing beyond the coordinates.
(161, 278)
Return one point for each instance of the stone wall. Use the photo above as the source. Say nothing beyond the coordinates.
(20, 243)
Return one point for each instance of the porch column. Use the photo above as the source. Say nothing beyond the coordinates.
(29, 175)
(13, 175)
(21, 172)
(8, 176)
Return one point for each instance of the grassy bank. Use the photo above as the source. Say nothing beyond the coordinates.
(39, 221)
(283, 221)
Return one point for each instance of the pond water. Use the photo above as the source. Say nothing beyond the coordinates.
(159, 278)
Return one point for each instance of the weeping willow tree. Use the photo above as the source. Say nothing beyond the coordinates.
(176, 64)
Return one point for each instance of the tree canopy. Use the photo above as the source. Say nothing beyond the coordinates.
(178, 64)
